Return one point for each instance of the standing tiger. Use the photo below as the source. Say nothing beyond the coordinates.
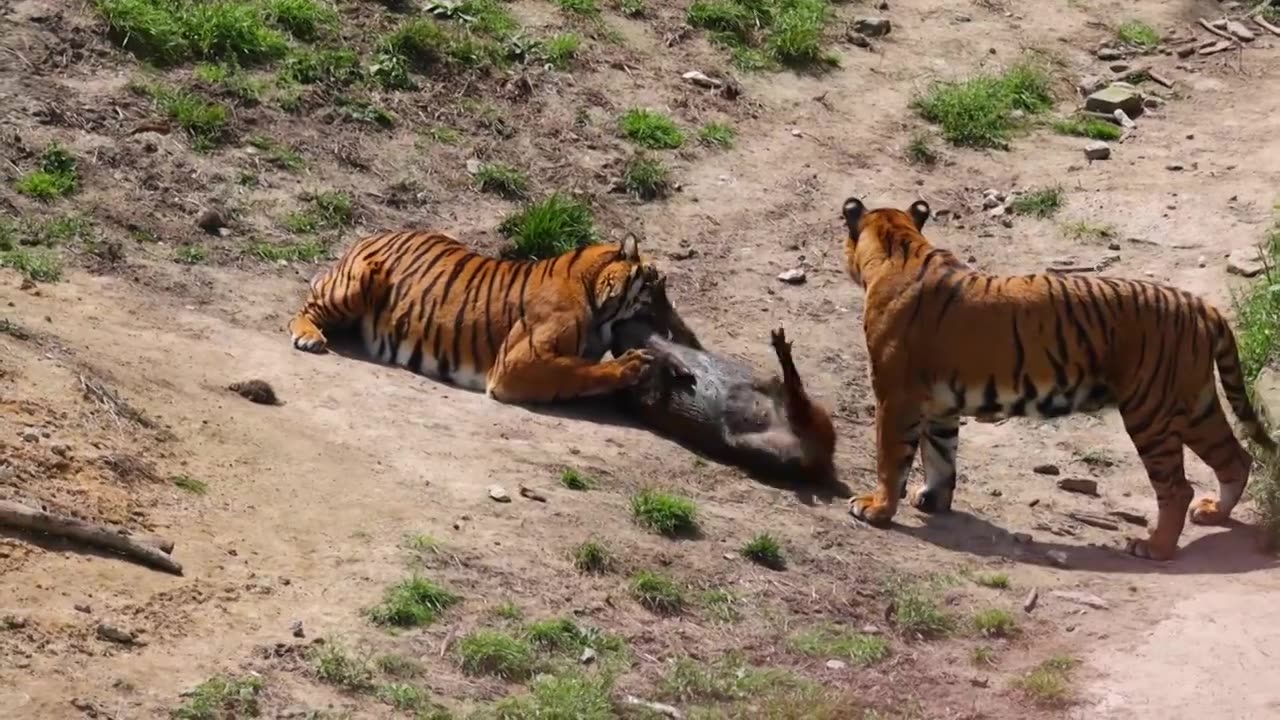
(946, 341)
(521, 330)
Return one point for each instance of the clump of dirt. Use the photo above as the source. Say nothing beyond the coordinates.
(256, 391)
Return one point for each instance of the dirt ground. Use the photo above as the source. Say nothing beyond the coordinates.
(309, 503)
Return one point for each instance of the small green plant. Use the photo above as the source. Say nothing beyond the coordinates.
(422, 42)
(57, 231)
(646, 178)
(220, 698)
(917, 612)
(403, 696)
(731, 21)
(422, 543)
(795, 37)
(1041, 203)
(718, 134)
(147, 28)
(492, 652)
(664, 513)
(1138, 35)
(587, 8)
(831, 641)
(398, 666)
(190, 254)
(365, 112)
(1088, 127)
(983, 656)
(327, 211)
(1087, 231)
(231, 80)
(305, 251)
(231, 31)
(560, 50)
(920, 151)
(335, 665)
(722, 604)
(509, 611)
(656, 592)
(334, 68)
(190, 484)
(412, 602)
(764, 549)
(279, 155)
(632, 8)
(549, 228)
(994, 622)
(575, 480)
(982, 111)
(562, 635)
(204, 122)
(562, 696)
(1049, 682)
(650, 129)
(37, 264)
(593, 558)
(442, 135)
(502, 179)
(998, 581)
(303, 19)
(56, 177)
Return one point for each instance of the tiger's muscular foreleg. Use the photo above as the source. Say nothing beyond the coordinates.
(338, 297)
(543, 365)
(941, 438)
(897, 438)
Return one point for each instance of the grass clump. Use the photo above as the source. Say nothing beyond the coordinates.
(303, 19)
(593, 558)
(36, 264)
(1087, 127)
(492, 652)
(919, 151)
(397, 666)
(1041, 203)
(718, 134)
(998, 581)
(730, 688)
(994, 622)
(405, 697)
(334, 665)
(656, 592)
(650, 129)
(664, 513)
(1137, 34)
(412, 602)
(232, 81)
(767, 34)
(335, 68)
(586, 8)
(983, 656)
(55, 177)
(916, 612)
(646, 178)
(563, 696)
(305, 251)
(575, 480)
(509, 611)
(559, 50)
(980, 111)
(502, 179)
(327, 211)
(632, 8)
(190, 484)
(795, 37)
(421, 42)
(549, 228)
(281, 156)
(204, 122)
(1049, 682)
(171, 31)
(830, 641)
(1085, 230)
(190, 254)
(221, 697)
(764, 549)
(722, 604)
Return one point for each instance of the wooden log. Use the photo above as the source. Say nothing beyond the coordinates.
(1262, 23)
(1220, 33)
(24, 517)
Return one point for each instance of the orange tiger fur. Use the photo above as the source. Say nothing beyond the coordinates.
(946, 341)
(522, 330)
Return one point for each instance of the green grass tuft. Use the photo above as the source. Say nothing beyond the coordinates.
(502, 179)
(633, 8)
(1088, 127)
(764, 549)
(222, 698)
(664, 513)
(593, 558)
(492, 652)
(830, 641)
(334, 665)
(56, 177)
(422, 42)
(334, 68)
(565, 696)
(1138, 35)
(281, 156)
(646, 178)
(36, 264)
(509, 611)
(1048, 683)
(718, 134)
(398, 666)
(304, 251)
(650, 129)
(168, 32)
(980, 111)
(549, 228)
(998, 581)
(657, 593)
(795, 37)
(190, 254)
(586, 8)
(190, 484)
(560, 50)
(920, 151)
(994, 622)
(722, 604)
(1087, 231)
(412, 602)
(575, 480)
(917, 612)
(204, 122)
(303, 19)
(983, 656)
(1041, 203)
(326, 211)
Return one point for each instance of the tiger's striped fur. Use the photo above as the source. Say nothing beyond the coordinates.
(946, 341)
(522, 330)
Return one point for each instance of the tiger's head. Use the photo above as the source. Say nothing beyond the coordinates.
(620, 285)
(874, 235)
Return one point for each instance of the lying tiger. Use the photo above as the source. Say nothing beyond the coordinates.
(946, 341)
(522, 330)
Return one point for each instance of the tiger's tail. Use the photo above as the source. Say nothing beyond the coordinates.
(1227, 358)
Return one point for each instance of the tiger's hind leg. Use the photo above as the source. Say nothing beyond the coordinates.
(897, 439)
(1210, 437)
(338, 297)
(941, 438)
(1160, 447)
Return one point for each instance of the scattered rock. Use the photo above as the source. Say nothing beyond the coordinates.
(1246, 262)
(1090, 84)
(1021, 537)
(84, 608)
(31, 435)
(1097, 150)
(869, 629)
(1058, 558)
(1130, 517)
(1093, 521)
(296, 629)
(588, 656)
(1116, 96)
(794, 276)
(497, 493)
(110, 632)
(873, 26)
(856, 38)
(211, 220)
(995, 492)
(990, 201)
(1046, 469)
(474, 165)
(1110, 53)
(60, 449)
(1081, 598)
(1174, 167)
(1239, 31)
(532, 494)
(1113, 245)
(682, 253)
(837, 665)
(701, 80)
(1084, 486)
(257, 391)
(1033, 502)
(980, 682)
(13, 622)
(882, 5)
(1123, 118)
(1152, 102)
(1033, 597)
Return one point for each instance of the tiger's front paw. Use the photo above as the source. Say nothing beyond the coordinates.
(1150, 549)
(636, 365)
(870, 509)
(308, 339)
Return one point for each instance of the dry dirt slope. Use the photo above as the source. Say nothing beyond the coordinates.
(309, 503)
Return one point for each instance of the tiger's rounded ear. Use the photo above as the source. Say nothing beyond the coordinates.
(629, 248)
(853, 211)
(919, 213)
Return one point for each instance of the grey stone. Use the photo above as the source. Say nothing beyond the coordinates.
(1032, 598)
(837, 665)
(1058, 558)
(1090, 84)
(1046, 469)
(587, 657)
(856, 38)
(497, 493)
(873, 26)
(1081, 598)
(211, 220)
(84, 608)
(701, 80)
(1083, 486)
(1116, 96)
(297, 630)
(1097, 150)
(1246, 262)
(1266, 394)
(31, 435)
(107, 631)
(794, 276)
(1110, 53)
(1123, 118)
(1239, 31)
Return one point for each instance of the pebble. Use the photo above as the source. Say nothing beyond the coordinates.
(497, 493)
(1119, 67)
(1097, 150)
(837, 665)
(110, 632)
(873, 26)
(1202, 261)
(1130, 517)
(587, 657)
(532, 494)
(1174, 167)
(1081, 598)
(60, 449)
(1090, 84)
(1084, 486)
(31, 435)
(1093, 521)
(1245, 262)
(1113, 245)
(1109, 53)
(856, 38)
(1057, 557)
(990, 201)
(1022, 537)
(794, 276)
(296, 629)
(1123, 118)
(1046, 469)
(474, 165)
(1240, 31)
(1032, 598)
(701, 80)
(84, 608)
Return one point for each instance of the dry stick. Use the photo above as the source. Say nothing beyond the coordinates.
(1220, 33)
(1262, 22)
(25, 517)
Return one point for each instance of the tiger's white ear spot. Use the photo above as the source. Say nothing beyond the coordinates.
(919, 213)
(630, 248)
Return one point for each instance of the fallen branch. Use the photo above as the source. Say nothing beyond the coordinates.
(660, 708)
(1144, 72)
(1220, 33)
(1262, 23)
(24, 517)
